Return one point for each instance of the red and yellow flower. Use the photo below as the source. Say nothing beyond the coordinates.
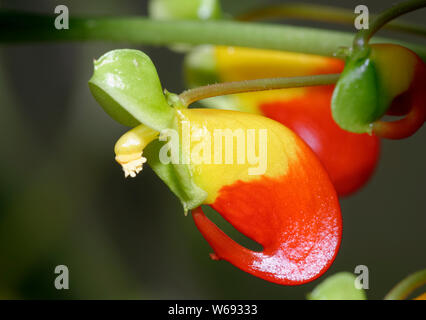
(349, 158)
(291, 208)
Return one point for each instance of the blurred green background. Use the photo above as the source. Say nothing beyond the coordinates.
(64, 200)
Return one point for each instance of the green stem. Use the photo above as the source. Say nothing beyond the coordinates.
(407, 286)
(24, 27)
(321, 13)
(363, 36)
(219, 89)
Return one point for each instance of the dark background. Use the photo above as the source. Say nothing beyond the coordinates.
(63, 199)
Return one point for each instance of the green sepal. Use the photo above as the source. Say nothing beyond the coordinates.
(184, 9)
(126, 84)
(359, 98)
(178, 177)
(340, 286)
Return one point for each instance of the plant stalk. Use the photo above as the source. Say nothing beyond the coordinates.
(407, 286)
(192, 95)
(321, 13)
(20, 27)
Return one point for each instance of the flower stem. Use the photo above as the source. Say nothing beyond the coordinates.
(24, 27)
(407, 286)
(363, 36)
(321, 13)
(192, 95)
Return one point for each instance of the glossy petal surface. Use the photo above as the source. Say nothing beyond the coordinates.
(350, 159)
(292, 210)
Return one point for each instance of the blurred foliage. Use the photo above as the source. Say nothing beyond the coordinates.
(339, 286)
(63, 199)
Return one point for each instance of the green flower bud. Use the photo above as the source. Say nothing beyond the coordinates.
(126, 84)
(184, 9)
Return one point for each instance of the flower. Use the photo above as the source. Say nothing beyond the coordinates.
(290, 206)
(349, 158)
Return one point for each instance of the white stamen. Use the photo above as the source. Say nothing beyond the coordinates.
(133, 167)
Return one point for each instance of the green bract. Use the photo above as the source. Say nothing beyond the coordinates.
(125, 83)
(358, 98)
(178, 178)
(340, 286)
(184, 9)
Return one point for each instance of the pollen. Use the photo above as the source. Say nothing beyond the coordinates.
(131, 166)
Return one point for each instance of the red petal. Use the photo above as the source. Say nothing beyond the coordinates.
(413, 100)
(296, 218)
(349, 158)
